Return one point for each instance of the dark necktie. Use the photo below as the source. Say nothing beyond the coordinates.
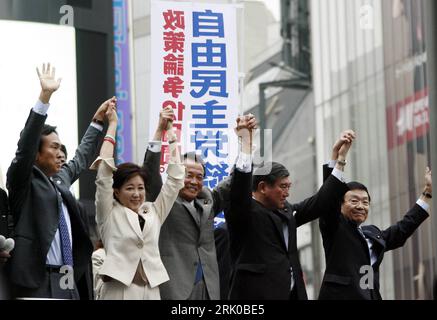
(67, 254)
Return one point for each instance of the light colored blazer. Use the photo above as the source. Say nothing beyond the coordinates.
(125, 244)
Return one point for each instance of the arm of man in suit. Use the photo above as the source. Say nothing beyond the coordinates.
(396, 235)
(86, 151)
(237, 215)
(152, 158)
(221, 193)
(105, 166)
(20, 171)
(345, 136)
(325, 203)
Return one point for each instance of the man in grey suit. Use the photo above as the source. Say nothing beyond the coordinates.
(186, 243)
(52, 255)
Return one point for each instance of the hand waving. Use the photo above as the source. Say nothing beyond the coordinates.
(48, 82)
(47, 78)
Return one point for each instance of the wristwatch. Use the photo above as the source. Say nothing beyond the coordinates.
(427, 194)
(98, 122)
(341, 162)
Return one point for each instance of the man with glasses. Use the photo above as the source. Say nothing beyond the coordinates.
(354, 252)
(263, 226)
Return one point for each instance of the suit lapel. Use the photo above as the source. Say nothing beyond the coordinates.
(378, 244)
(291, 226)
(191, 210)
(277, 220)
(202, 208)
(361, 238)
(132, 217)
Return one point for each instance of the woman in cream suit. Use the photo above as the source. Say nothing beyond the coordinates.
(129, 226)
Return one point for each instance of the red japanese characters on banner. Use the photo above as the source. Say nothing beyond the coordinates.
(408, 119)
(173, 68)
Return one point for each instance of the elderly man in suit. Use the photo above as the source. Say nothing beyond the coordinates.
(354, 251)
(52, 256)
(262, 227)
(187, 242)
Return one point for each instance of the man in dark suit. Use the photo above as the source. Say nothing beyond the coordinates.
(262, 227)
(52, 250)
(354, 252)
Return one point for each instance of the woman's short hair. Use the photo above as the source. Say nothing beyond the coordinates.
(126, 171)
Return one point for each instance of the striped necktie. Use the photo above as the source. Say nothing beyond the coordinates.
(67, 254)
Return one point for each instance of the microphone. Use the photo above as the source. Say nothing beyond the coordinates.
(6, 245)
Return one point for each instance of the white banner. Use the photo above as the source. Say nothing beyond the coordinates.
(195, 70)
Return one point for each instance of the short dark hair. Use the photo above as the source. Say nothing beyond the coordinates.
(64, 150)
(277, 171)
(47, 130)
(355, 185)
(194, 157)
(125, 171)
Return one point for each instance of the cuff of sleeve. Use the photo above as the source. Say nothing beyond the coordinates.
(176, 171)
(41, 108)
(109, 164)
(423, 204)
(97, 126)
(331, 163)
(338, 174)
(244, 162)
(155, 146)
(172, 150)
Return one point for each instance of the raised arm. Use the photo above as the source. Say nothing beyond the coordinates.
(326, 202)
(19, 173)
(175, 173)
(152, 158)
(238, 213)
(86, 151)
(346, 136)
(222, 192)
(106, 166)
(396, 235)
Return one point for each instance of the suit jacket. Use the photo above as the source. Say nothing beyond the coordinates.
(127, 246)
(346, 251)
(221, 236)
(187, 237)
(258, 250)
(34, 206)
(4, 213)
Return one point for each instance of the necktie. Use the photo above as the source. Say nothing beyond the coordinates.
(67, 254)
(199, 272)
